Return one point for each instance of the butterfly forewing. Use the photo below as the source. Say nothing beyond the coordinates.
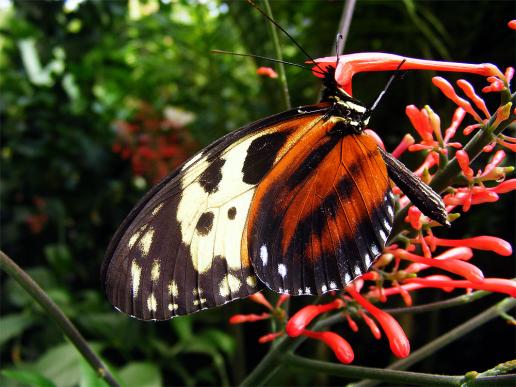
(180, 249)
(323, 214)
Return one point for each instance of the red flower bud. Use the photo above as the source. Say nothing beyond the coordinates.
(506, 186)
(270, 337)
(499, 285)
(259, 298)
(338, 345)
(484, 242)
(463, 159)
(371, 324)
(512, 24)
(304, 316)
(468, 89)
(448, 90)
(243, 318)
(267, 72)
(398, 341)
(352, 324)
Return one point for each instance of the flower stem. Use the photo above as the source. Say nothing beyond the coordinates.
(279, 56)
(443, 340)
(446, 176)
(70, 331)
(349, 371)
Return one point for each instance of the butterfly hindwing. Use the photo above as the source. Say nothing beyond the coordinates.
(180, 249)
(323, 214)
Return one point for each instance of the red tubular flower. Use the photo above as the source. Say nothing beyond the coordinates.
(414, 218)
(282, 298)
(499, 285)
(464, 269)
(512, 24)
(457, 119)
(270, 337)
(338, 344)
(267, 72)
(506, 186)
(352, 64)
(243, 318)
(484, 242)
(409, 287)
(304, 316)
(398, 341)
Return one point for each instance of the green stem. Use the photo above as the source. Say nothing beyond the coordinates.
(449, 337)
(279, 56)
(70, 331)
(349, 371)
(445, 177)
(456, 301)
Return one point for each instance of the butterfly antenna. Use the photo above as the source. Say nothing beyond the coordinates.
(276, 24)
(265, 58)
(337, 48)
(391, 79)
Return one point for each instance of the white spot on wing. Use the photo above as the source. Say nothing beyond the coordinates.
(367, 259)
(133, 239)
(299, 292)
(229, 284)
(282, 270)
(136, 272)
(157, 209)
(173, 307)
(264, 255)
(357, 270)
(155, 271)
(390, 211)
(308, 290)
(152, 304)
(146, 241)
(386, 225)
(172, 289)
(324, 288)
(347, 278)
(374, 249)
(333, 285)
(383, 235)
(251, 281)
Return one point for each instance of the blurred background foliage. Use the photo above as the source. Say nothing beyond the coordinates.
(99, 99)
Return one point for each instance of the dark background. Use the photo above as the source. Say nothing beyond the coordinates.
(84, 90)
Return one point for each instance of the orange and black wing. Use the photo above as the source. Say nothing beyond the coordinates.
(323, 214)
(179, 250)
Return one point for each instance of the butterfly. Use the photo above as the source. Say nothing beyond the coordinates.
(299, 202)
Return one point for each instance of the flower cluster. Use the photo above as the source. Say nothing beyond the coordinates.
(154, 143)
(403, 266)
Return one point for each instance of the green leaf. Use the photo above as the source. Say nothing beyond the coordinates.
(88, 377)
(13, 325)
(141, 374)
(61, 365)
(220, 340)
(183, 327)
(27, 377)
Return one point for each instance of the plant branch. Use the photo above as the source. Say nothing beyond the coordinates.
(449, 337)
(386, 375)
(279, 56)
(70, 331)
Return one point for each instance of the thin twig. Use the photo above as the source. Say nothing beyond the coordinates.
(357, 372)
(279, 56)
(52, 310)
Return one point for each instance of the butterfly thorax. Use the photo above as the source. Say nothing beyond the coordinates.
(354, 114)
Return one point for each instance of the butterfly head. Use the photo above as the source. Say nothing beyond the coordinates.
(354, 113)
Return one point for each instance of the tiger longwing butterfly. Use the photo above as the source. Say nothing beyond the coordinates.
(299, 202)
